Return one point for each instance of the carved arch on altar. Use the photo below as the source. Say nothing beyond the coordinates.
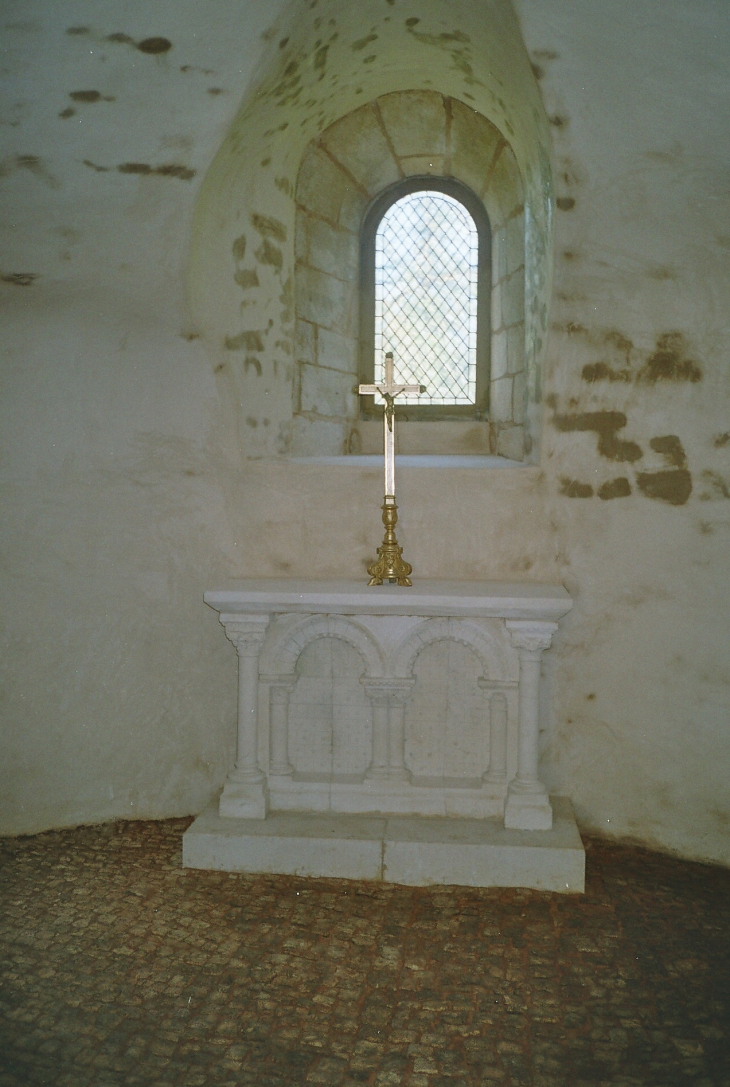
(295, 640)
(490, 652)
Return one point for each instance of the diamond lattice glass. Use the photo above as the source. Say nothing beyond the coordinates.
(426, 256)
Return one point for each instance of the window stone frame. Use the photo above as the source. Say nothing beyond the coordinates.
(400, 135)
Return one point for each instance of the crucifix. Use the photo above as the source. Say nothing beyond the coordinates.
(390, 565)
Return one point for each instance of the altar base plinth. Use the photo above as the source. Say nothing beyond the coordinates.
(400, 849)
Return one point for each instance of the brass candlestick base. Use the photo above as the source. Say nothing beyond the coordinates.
(390, 566)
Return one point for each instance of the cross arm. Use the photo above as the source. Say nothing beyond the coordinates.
(391, 390)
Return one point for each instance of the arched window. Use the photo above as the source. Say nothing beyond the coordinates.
(425, 289)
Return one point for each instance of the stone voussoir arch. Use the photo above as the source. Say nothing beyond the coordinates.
(313, 627)
(491, 654)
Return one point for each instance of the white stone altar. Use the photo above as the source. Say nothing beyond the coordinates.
(390, 733)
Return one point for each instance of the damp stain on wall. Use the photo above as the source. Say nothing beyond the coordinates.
(605, 424)
(573, 488)
(268, 227)
(143, 169)
(356, 46)
(662, 273)
(19, 279)
(718, 487)
(184, 173)
(673, 485)
(455, 42)
(669, 361)
(614, 488)
(248, 341)
(90, 96)
(268, 253)
(33, 164)
(152, 46)
(601, 371)
(271, 231)
(246, 278)
(671, 449)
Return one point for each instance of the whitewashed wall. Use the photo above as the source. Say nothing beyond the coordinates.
(125, 487)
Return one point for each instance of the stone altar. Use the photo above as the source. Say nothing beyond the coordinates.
(390, 733)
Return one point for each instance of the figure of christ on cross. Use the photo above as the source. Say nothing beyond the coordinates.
(390, 566)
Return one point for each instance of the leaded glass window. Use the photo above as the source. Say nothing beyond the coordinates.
(426, 262)
(426, 282)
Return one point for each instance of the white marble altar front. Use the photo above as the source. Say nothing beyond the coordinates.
(389, 705)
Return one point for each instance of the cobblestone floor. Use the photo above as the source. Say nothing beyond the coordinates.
(121, 968)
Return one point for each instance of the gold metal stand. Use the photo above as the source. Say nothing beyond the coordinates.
(390, 566)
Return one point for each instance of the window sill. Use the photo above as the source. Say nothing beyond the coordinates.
(412, 460)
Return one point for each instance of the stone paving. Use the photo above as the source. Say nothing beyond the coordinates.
(120, 968)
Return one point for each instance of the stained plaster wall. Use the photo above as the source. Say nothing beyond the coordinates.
(128, 479)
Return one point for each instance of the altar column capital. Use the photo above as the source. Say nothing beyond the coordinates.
(246, 632)
(528, 805)
(531, 635)
(388, 696)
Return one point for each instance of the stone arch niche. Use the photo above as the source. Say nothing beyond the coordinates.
(445, 731)
(329, 725)
(445, 736)
(459, 78)
(285, 646)
(404, 134)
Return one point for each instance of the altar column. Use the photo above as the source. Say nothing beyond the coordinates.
(399, 693)
(244, 793)
(388, 698)
(377, 693)
(528, 805)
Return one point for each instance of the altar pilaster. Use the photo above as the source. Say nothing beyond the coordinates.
(496, 773)
(400, 692)
(244, 793)
(528, 806)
